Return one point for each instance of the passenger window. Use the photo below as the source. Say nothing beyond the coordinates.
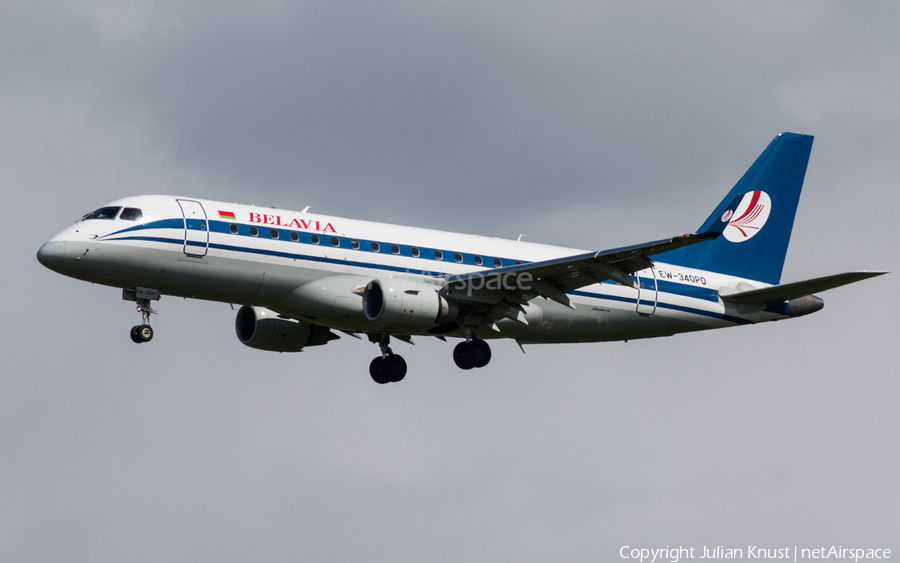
(254, 231)
(415, 252)
(498, 263)
(354, 244)
(102, 213)
(395, 249)
(376, 247)
(478, 261)
(233, 228)
(274, 233)
(314, 239)
(458, 257)
(438, 255)
(131, 214)
(335, 241)
(518, 262)
(295, 236)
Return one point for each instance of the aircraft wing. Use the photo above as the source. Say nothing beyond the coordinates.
(795, 290)
(505, 290)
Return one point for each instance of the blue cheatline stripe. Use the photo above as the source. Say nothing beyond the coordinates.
(729, 318)
(682, 290)
(278, 254)
(672, 288)
(160, 224)
(664, 305)
(325, 240)
(685, 290)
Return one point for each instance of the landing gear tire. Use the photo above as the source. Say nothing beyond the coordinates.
(141, 333)
(376, 370)
(388, 369)
(479, 352)
(461, 356)
(394, 368)
(146, 333)
(473, 354)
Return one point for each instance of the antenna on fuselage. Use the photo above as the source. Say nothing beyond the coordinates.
(305, 209)
(520, 238)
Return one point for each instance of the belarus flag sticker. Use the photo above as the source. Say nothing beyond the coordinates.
(227, 215)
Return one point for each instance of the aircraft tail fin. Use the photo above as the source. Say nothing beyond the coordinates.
(755, 242)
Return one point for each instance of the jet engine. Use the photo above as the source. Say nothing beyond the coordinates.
(264, 330)
(402, 304)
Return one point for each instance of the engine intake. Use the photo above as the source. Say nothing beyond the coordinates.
(264, 330)
(403, 304)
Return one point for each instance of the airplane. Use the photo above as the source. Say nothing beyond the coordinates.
(300, 278)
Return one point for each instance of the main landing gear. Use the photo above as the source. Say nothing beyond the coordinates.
(389, 367)
(473, 353)
(143, 332)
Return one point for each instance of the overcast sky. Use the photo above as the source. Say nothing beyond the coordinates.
(586, 124)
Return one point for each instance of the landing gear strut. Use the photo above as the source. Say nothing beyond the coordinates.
(389, 367)
(474, 353)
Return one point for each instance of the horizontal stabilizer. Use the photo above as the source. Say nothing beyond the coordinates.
(797, 289)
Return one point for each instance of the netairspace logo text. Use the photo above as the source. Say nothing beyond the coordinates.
(675, 554)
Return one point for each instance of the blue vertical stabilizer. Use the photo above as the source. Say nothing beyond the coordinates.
(756, 239)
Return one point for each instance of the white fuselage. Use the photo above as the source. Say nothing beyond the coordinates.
(312, 267)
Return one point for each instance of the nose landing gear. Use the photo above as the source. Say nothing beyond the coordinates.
(142, 296)
(143, 332)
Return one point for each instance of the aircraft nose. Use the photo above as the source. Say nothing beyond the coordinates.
(52, 253)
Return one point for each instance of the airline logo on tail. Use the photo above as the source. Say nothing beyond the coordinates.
(749, 217)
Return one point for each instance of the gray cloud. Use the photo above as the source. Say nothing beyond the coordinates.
(584, 124)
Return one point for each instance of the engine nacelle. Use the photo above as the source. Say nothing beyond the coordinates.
(406, 304)
(264, 330)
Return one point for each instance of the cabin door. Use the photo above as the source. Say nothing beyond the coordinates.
(646, 302)
(196, 228)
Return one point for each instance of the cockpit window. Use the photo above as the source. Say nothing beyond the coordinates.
(131, 214)
(102, 213)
